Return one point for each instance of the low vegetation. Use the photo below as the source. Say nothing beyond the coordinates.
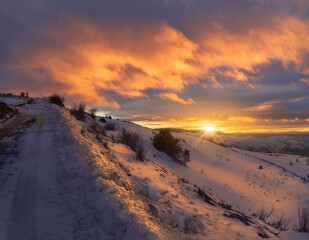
(263, 214)
(56, 99)
(6, 94)
(78, 111)
(92, 112)
(99, 133)
(303, 220)
(102, 120)
(281, 223)
(135, 141)
(95, 127)
(110, 126)
(165, 142)
(24, 94)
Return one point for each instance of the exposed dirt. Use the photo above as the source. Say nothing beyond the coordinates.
(8, 128)
(6, 111)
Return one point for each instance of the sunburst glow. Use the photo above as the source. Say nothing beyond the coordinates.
(209, 128)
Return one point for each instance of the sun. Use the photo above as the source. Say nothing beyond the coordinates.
(209, 129)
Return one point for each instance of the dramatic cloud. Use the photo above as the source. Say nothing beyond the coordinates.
(175, 98)
(91, 59)
(138, 58)
(236, 54)
(126, 57)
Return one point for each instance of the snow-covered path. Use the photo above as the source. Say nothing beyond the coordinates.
(37, 210)
(23, 214)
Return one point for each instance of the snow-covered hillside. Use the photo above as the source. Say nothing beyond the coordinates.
(285, 143)
(64, 179)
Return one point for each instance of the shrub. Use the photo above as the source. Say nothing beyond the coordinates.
(95, 127)
(281, 223)
(135, 141)
(78, 111)
(102, 119)
(186, 155)
(110, 126)
(105, 144)
(303, 220)
(92, 112)
(24, 94)
(56, 99)
(30, 101)
(263, 214)
(165, 142)
(98, 131)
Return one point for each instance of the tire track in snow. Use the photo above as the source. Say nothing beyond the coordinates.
(24, 212)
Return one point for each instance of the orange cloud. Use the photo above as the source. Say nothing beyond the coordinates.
(298, 99)
(304, 80)
(139, 115)
(123, 57)
(263, 106)
(285, 38)
(87, 61)
(243, 119)
(174, 97)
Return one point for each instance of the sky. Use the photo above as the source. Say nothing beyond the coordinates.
(238, 66)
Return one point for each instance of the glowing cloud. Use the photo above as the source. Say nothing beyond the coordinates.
(263, 106)
(235, 52)
(94, 61)
(304, 80)
(88, 59)
(298, 99)
(174, 97)
(243, 119)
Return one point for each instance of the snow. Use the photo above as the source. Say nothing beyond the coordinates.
(236, 177)
(290, 143)
(65, 184)
(13, 101)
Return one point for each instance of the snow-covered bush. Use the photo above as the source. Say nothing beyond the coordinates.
(56, 99)
(165, 142)
(135, 141)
